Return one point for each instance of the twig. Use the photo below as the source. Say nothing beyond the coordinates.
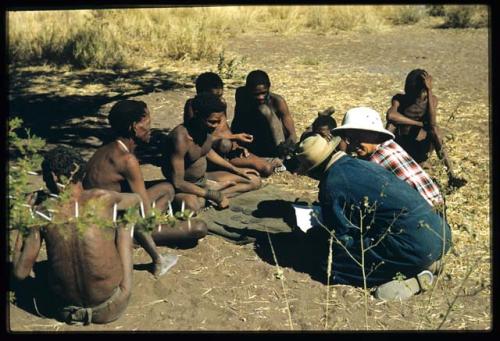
(281, 279)
(450, 306)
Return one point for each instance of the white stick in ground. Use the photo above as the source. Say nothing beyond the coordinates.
(76, 209)
(143, 214)
(114, 212)
(43, 215)
(170, 210)
(182, 207)
(132, 231)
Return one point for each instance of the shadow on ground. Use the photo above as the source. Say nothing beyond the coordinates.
(79, 120)
(32, 294)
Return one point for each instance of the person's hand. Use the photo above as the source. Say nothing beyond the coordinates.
(427, 78)
(244, 137)
(243, 152)
(246, 172)
(326, 135)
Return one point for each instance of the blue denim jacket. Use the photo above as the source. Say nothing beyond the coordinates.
(368, 207)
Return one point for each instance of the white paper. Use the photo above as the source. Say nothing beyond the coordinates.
(305, 217)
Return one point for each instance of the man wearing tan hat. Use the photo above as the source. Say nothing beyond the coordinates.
(381, 227)
(364, 134)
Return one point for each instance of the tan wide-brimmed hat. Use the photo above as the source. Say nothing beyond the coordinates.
(313, 151)
(364, 118)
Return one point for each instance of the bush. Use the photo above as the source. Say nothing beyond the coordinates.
(468, 16)
(435, 10)
(408, 15)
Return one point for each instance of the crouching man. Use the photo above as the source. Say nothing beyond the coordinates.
(89, 266)
(385, 234)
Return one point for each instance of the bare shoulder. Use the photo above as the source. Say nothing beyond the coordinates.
(277, 98)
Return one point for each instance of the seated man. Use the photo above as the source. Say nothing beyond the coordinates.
(226, 144)
(187, 148)
(90, 273)
(382, 228)
(114, 167)
(364, 134)
(412, 118)
(265, 116)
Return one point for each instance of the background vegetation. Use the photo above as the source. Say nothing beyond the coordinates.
(126, 37)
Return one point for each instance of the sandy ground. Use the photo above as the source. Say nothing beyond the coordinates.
(221, 286)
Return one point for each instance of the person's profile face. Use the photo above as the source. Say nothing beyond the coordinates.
(143, 128)
(363, 143)
(260, 93)
(219, 92)
(214, 120)
(324, 132)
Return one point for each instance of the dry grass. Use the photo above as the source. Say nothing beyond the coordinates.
(229, 287)
(84, 38)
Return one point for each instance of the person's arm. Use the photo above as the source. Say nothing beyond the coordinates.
(219, 161)
(334, 218)
(132, 172)
(124, 247)
(286, 118)
(26, 251)
(432, 128)
(395, 117)
(188, 111)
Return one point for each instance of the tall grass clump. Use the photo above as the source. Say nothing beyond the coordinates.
(344, 18)
(129, 37)
(466, 16)
(407, 14)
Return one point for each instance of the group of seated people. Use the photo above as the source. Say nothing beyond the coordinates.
(379, 206)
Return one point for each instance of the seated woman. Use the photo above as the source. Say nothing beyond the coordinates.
(412, 119)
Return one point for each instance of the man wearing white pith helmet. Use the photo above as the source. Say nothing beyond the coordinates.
(382, 228)
(364, 134)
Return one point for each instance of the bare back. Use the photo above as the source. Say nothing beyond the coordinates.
(85, 265)
(106, 167)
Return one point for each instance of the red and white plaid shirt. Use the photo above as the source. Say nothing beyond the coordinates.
(394, 158)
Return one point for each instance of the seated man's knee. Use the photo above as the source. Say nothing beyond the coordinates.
(255, 182)
(266, 169)
(223, 146)
(194, 203)
(166, 189)
(265, 110)
(198, 228)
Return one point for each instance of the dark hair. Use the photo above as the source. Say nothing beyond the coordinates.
(207, 81)
(124, 114)
(414, 82)
(207, 103)
(257, 77)
(63, 161)
(321, 121)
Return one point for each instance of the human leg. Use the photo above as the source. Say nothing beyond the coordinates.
(191, 202)
(182, 231)
(275, 125)
(264, 167)
(161, 193)
(242, 185)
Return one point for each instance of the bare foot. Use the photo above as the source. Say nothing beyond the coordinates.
(276, 162)
(219, 185)
(164, 264)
